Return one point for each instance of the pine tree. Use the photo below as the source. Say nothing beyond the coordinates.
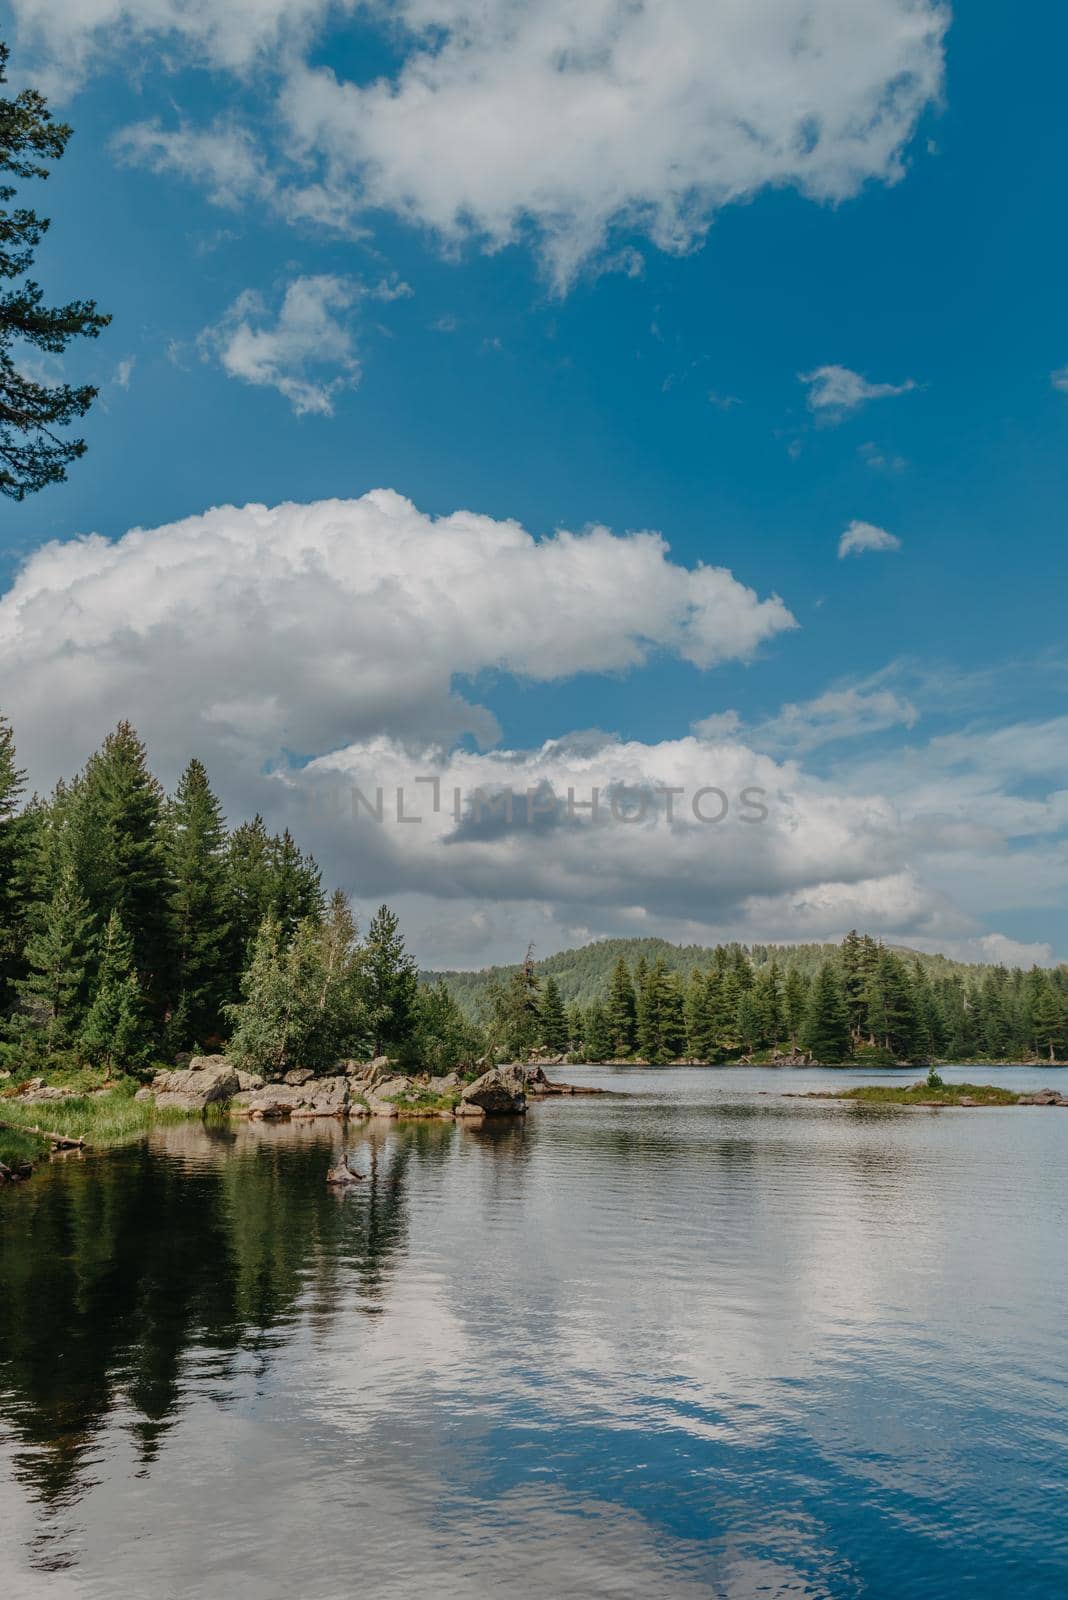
(13, 865)
(1049, 1025)
(825, 1032)
(767, 1000)
(515, 1011)
(576, 1026)
(247, 872)
(32, 454)
(795, 1001)
(194, 835)
(597, 1033)
(52, 995)
(295, 882)
(389, 985)
(622, 1011)
(661, 1016)
(892, 1014)
(553, 1021)
(703, 1022)
(123, 867)
(115, 1033)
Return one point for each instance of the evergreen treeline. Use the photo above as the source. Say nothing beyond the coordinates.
(861, 1001)
(134, 926)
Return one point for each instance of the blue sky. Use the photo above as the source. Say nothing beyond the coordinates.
(588, 375)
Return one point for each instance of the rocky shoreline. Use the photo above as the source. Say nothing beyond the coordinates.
(353, 1089)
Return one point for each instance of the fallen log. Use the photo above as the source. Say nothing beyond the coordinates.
(59, 1141)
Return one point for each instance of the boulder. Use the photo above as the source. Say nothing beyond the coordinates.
(323, 1097)
(502, 1089)
(202, 1063)
(273, 1101)
(250, 1080)
(192, 1089)
(296, 1076)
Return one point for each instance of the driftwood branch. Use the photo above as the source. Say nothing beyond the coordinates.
(59, 1141)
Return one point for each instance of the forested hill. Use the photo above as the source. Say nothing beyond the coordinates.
(583, 975)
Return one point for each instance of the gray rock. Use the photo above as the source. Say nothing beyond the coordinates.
(192, 1089)
(324, 1097)
(273, 1101)
(502, 1089)
(298, 1076)
(203, 1063)
(250, 1080)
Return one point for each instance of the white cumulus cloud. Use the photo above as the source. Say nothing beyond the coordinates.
(566, 122)
(862, 536)
(252, 632)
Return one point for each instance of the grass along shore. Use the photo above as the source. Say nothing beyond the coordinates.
(100, 1119)
(940, 1094)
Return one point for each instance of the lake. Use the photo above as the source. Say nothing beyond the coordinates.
(689, 1339)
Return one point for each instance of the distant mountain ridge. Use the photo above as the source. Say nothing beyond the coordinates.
(583, 973)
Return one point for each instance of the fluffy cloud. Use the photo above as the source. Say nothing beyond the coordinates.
(833, 391)
(248, 633)
(1059, 379)
(570, 121)
(861, 536)
(304, 651)
(311, 334)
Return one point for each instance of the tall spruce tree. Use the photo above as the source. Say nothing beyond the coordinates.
(194, 842)
(115, 1034)
(13, 867)
(597, 1033)
(661, 1016)
(795, 1000)
(622, 1010)
(389, 985)
(52, 995)
(1049, 1024)
(515, 1011)
(825, 1032)
(121, 806)
(551, 1016)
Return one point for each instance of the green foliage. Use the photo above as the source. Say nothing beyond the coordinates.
(390, 987)
(52, 994)
(515, 1012)
(444, 1040)
(926, 1093)
(115, 1034)
(193, 841)
(304, 1001)
(661, 1015)
(622, 1009)
(552, 1019)
(31, 453)
(267, 875)
(825, 1030)
(14, 844)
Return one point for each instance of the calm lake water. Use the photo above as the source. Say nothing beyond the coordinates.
(693, 1340)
